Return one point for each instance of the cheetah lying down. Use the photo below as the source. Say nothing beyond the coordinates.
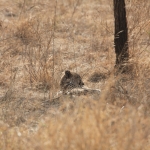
(72, 84)
(71, 87)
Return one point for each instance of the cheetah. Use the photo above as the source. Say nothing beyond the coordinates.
(70, 81)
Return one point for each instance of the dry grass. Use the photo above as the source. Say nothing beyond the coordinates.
(41, 39)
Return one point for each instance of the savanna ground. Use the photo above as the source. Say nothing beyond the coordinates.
(39, 40)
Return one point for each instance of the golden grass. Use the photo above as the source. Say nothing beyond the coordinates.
(96, 126)
(41, 39)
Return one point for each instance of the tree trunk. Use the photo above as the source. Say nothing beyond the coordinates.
(121, 33)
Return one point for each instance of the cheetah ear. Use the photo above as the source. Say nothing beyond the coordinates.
(68, 74)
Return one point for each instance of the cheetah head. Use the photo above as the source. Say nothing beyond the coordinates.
(71, 80)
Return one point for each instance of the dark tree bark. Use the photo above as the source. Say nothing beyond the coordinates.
(121, 33)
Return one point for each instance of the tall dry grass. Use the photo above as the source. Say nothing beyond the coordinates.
(41, 39)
